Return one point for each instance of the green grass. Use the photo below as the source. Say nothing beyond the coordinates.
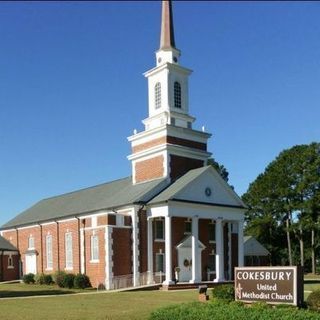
(106, 306)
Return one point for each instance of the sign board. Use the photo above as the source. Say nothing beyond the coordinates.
(274, 285)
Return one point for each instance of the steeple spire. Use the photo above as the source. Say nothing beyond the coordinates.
(167, 31)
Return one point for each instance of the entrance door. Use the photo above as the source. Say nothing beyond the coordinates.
(185, 264)
(31, 263)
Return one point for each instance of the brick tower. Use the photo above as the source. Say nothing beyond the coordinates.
(168, 147)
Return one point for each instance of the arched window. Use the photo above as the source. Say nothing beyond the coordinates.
(157, 95)
(177, 95)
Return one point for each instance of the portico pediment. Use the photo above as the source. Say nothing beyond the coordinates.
(187, 243)
(203, 185)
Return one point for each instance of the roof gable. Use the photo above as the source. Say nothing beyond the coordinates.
(252, 247)
(203, 185)
(6, 245)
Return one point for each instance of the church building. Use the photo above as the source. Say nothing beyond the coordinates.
(174, 219)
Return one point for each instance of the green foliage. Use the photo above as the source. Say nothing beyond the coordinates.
(42, 278)
(260, 305)
(58, 278)
(219, 311)
(284, 206)
(220, 168)
(81, 281)
(223, 292)
(68, 280)
(313, 300)
(28, 278)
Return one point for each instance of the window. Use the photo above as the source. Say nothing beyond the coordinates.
(212, 262)
(10, 262)
(159, 229)
(212, 232)
(68, 247)
(31, 242)
(157, 95)
(177, 95)
(159, 262)
(188, 227)
(49, 252)
(94, 248)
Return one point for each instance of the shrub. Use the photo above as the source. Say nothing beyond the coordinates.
(28, 278)
(222, 311)
(81, 281)
(39, 278)
(58, 278)
(68, 280)
(313, 300)
(48, 279)
(223, 292)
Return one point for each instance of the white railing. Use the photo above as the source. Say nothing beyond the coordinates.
(142, 279)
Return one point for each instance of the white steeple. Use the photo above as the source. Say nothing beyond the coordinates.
(168, 81)
(168, 147)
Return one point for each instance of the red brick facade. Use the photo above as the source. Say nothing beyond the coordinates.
(181, 165)
(9, 266)
(149, 169)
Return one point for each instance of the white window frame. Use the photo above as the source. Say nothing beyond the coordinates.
(94, 245)
(10, 262)
(68, 251)
(49, 252)
(155, 229)
(31, 242)
(163, 262)
(157, 95)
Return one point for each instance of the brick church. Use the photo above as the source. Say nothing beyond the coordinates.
(174, 219)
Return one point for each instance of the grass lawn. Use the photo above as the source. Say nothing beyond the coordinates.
(106, 306)
(103, 305)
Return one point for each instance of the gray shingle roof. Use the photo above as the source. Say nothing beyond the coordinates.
(6, 245)
(105, 196)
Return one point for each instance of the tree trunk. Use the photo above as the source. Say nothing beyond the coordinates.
(313, 258)
(301, 247)
(289, 240)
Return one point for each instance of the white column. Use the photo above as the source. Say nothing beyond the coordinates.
(150, 252)
(168, 253)
(135, 248)
(219, 252)
(109, 256)
(229, 250)
(240, 244)
(82, 250)
(195, 251)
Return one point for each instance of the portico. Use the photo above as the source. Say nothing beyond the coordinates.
(205, 227)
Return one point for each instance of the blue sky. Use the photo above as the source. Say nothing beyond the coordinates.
(72, 90)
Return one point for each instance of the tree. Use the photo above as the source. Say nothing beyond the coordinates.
(288, 193)
(220, 168)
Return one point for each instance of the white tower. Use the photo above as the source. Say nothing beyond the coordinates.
(168, 147)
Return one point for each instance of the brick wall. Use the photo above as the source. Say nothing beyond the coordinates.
(7, 273)
(95, 269)
(122, 251)
(149, 169)
(181, 165)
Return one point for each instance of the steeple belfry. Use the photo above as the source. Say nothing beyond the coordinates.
(167, 30)
(168, 147)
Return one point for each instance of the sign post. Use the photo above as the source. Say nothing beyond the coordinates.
(274, 285)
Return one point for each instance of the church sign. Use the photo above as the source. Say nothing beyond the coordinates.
(274, 285)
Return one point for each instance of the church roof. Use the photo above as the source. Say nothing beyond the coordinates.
(106, 196)
(252, 247)
(6, 245)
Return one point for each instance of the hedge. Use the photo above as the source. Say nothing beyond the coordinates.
(223, 311)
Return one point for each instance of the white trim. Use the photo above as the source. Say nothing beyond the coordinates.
(168, 251)
(229, 250)
(135, 248)
(47, 223)
(108, 257)
(219, 251)
(66, 220)
(82, 250)
(28, 227)
(6, 253)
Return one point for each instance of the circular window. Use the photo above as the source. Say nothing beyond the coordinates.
(208, 192)
(159, 60)
(175, 59)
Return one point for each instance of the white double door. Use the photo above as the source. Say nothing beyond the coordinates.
(31, 263)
